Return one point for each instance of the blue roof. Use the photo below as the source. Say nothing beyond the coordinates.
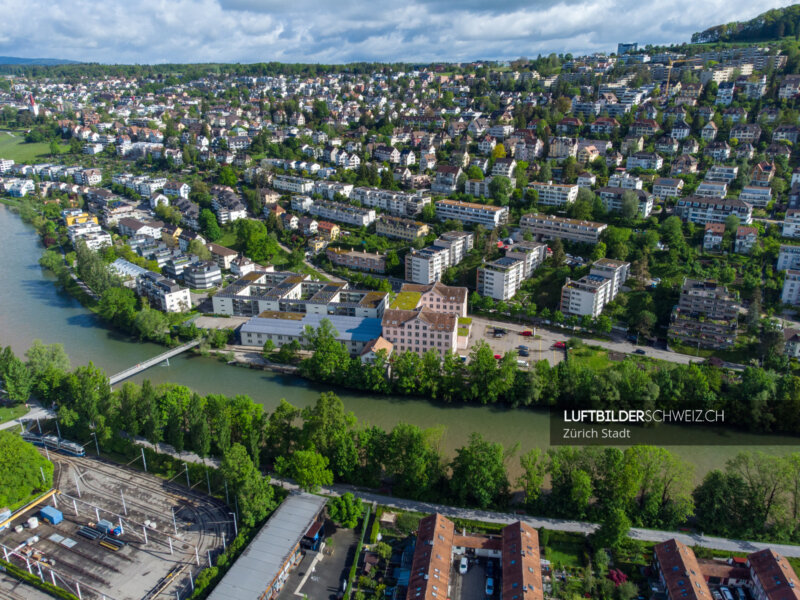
(358, 329)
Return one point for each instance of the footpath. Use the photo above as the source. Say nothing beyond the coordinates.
(489, 516)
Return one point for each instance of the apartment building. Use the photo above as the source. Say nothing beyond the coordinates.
(625, 181)
(228, 207)
(282, 328)
(706, 315)
(293, 185)
(791, 287)
(713, 210)
(502, 278)
(478, 187)
(89, 233)
(772, 577)
(202, 275)
(284, 291)
(357, 260)
(425, 266)
(712, 238)
(399, 204)
(163, 293)
(532, 254)
(613, 200)
(712, 189)
(721, 173)
(590, 294)
(679, 572)
(343, 213)
(554, 194)
(665, 187)
(469, 212)
(788, 257)
(430, 567)
(223, 256)
(399, 228)
(756, 195)
(446, 179)
(458, 243)
(420, 330)
(791, 223)
(546, 227)
(439, 297)
(644, 160)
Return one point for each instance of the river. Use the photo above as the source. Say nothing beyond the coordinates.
(32, 308)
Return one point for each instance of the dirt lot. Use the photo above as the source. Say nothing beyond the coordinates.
(150, 565)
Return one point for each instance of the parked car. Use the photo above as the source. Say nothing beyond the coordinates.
(490, 568)
(560, 345)
(524, 353)
(489, 586)
(726, 593)
(498, 356)
(638, 351)
(463, 565)
(526, 333)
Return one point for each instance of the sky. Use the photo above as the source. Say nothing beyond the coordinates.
(340, 31)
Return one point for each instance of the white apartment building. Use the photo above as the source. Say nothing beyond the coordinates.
(788, 257)
(90, 233)
(554, 194)
(469, 212)
(294, 185)
(713, 210)
(426, 266)
(712, 189)
(163, 293)
(589, 295)
(756, 195)
(343, 213)
(791, 223)
(399, 204)
(478, 187)
(625, 181)
(532, 254)
(546, 227)
(502, 278)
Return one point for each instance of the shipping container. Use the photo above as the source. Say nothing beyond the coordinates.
(51, 515)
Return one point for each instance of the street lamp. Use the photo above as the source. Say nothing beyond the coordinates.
(235, 526)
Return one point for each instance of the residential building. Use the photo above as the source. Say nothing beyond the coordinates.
(329, 231)
(478, 187)
(522, 571)
(563, 147)
(712, 239)
(791, 223)
(772, 577)
(399, 228)
(446, 179)
(469, 212)
(624, 180)
(177, 189)
(756, 195)
(357, 260)
(202, 275)
(587, 180)
(285, 327)
(439, 297)
(163, 293)
(712, 189)
(788, 257)
(613, 200)
(532, 254)
(399, 204)
(430, 567)
(501, 279)
(745, 239)
(90, 234)
(713, 210)
(709, 131)
(547, 227)
(706, 315)
(721, 173)
(228, 207)
(293, 185)
(427, 265)
(343, 213)
(223, 256)
(504, 167)
(589, 294)
(133, 227)
(420, 330)
(644, 160)
(791, 287)
(679, 572)
(554, 194)
(284, 291)
(665, 187)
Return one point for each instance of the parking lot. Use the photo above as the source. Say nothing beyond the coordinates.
(538, 349)
(154, 556)
(324, 582)
(472, 585)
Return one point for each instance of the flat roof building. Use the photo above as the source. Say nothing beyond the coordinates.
(547, 227)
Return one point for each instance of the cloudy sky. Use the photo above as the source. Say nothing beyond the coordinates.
(335, 31)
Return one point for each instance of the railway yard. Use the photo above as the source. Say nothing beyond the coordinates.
(125, 535)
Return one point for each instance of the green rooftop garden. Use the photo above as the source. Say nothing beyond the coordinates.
(406, 300)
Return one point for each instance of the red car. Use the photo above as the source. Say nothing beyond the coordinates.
(559, 345)
(526, 333)
(498, 356)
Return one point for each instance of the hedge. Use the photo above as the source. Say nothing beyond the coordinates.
(23, 575)
(351, 578)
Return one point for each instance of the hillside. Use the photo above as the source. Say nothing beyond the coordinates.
(16, 60)
(771, 25)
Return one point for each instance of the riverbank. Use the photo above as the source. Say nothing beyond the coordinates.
(32, 307)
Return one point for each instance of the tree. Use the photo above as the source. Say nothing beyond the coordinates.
(199, 249)
(479, 475)
(118, 306)
(47, 364)
(559, 255)
(17, 380)
(254, 495)
(499, 151)
(534, 469)
(500, 189)
(21, 468)
(629, 205)
(613, 529)
(227, 176)
(345, 510)
(209, 225)
(308, 468)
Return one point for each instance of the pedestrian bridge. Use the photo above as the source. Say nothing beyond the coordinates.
(143, 366)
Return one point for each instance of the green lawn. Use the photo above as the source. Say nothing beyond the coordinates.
(406, 300)
(15, 148)
(7, 413)
(592, 357)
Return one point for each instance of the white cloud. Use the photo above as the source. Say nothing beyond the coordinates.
(147, 31)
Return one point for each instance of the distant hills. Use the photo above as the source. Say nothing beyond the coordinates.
(771, 25)
(15, 60)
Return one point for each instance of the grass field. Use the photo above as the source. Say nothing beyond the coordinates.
(13, 146)
(7, 413)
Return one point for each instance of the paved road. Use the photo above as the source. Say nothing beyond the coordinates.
(36, 412)
(550, 337)
(649, 535)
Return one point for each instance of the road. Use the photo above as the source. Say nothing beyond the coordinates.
(550, 337)
(36, 412)
(647, 535)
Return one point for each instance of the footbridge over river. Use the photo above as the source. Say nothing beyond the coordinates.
(165, 356)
